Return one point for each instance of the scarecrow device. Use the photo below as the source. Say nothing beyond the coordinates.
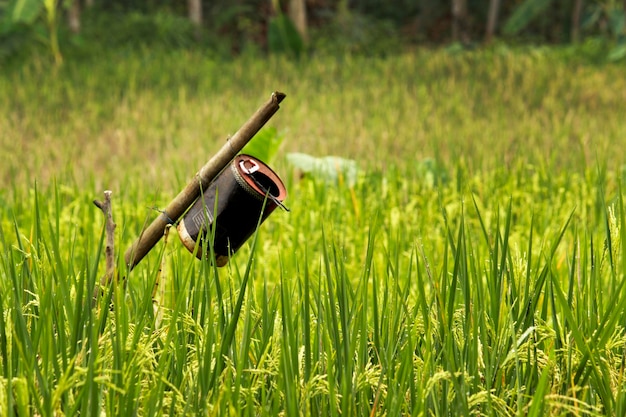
(230, 195)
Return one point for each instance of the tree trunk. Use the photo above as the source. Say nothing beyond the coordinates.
(459, 16)
(89, 3)
(73, 16)
(578, 6)
(297, 14)
(195, 15)
(492, 20)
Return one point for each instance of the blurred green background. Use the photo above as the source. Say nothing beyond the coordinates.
(72, 28)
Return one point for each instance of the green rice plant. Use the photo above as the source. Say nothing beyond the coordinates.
(456, 322)
(474, 268)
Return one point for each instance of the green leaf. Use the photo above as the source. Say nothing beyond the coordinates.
(591, 17)
(524, 14)
(283, 37)
(537, 405)
(264, 145)
(329, 168)
(618, 53)
(616, 20)
(24, 11)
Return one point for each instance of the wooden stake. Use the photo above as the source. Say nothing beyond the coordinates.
(109, 250)
(177, 207)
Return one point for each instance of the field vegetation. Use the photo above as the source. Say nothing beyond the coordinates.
(474, 265)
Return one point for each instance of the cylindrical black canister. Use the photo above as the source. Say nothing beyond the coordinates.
(241, 190)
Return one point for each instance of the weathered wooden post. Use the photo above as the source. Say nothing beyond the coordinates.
(201, 181)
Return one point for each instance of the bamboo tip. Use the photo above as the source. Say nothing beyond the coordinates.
(278, 96)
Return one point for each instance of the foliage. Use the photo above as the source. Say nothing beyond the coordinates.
(31, 14)
(265, 144)
(474, 266)
(28, 27)
(356, 33)
(410, 307)
(23, 11)
(611, 20)
(605, 18)
(21, 28)
(283, 37)
(524, 14)
(158, 29)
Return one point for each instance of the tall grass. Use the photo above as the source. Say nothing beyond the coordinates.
(173, 109)
(486, 281)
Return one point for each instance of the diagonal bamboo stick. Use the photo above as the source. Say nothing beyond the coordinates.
(177, 207)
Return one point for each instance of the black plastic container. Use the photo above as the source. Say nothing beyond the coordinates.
(245, 190)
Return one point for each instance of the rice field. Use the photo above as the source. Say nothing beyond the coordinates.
(472, 265)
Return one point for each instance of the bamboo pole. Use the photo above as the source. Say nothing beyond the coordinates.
(177, 207)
